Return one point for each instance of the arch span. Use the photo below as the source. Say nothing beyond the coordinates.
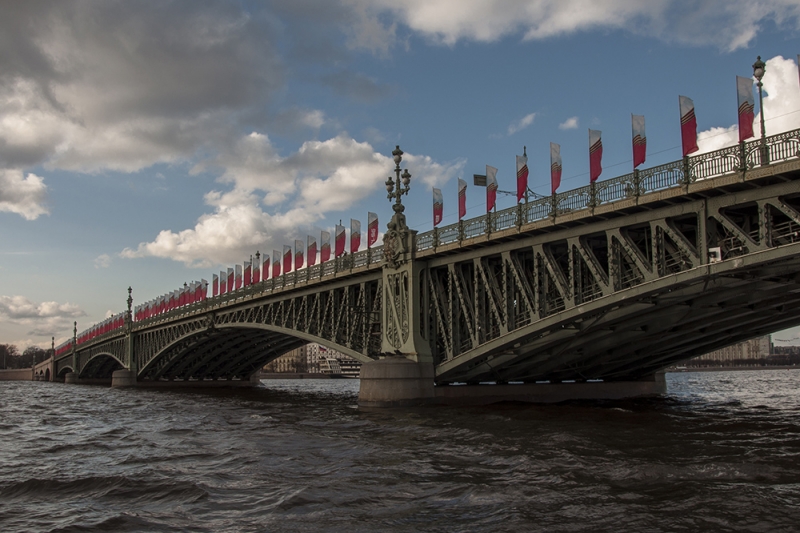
(101, 366)
(232, 351)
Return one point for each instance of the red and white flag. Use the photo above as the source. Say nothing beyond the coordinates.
(223, 283)
(355, 235)
(276, 264)
(372, 229)
(688, 125)
(248, 272)
(522, 174)
(491, 187)
(298, 254)
(265, 267)
(595, 155)
(438, 206)
(230, 280)
(639, 140)
(324, 246)
(287, 259)
(340, 238)
(744, 91)
(214, 285)
(203, 290)
(555, 167)
(238, 278)
(257, 269)
(462, 198)
(312, 251)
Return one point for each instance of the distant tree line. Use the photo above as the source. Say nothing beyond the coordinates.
(10, 357)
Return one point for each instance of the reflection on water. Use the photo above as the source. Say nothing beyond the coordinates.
(721, 452)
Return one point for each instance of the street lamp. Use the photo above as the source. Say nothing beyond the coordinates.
(759, 67)
(393, 187)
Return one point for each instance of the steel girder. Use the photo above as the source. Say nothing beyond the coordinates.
(234, 341)
(622, 297)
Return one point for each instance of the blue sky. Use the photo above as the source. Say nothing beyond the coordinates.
(152, 144)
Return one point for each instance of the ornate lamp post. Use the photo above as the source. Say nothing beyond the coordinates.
(393, 187)
(759, 68)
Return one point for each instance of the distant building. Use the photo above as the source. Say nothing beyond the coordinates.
(316, 359)
(751, 351)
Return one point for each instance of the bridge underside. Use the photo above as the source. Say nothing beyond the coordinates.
(638, 331)
(223, 353)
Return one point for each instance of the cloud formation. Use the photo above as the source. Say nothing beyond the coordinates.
(521, 124)
(301, 189)
(570, 124)
(44, 318)
(726, 24)
(23, 195)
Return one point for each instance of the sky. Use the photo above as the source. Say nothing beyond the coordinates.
(148, 144)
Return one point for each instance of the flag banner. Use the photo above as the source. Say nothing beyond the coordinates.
(230, 280)
(522, 175)
(462, 198)
(555, 167)
(248, 272)
(257, 269)
(214, 285)
(744, 91)
(688, 126)
(298, 254)
(223, 283)
(238, 278)
(595, 155)
(324, 246)
(438, 206)
(203, 288)
(339, 237)
(355, 235)
(265, 267)
(312, 251)
(372, 229)
(639, 140)
(491, 187)
(276, 264)
(287, 259)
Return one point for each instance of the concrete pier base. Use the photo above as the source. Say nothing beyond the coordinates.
(550, 392)
(71, 377)
(395, 382)
(123, 378)
(399, 382)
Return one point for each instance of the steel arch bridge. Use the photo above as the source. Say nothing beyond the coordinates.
(610, 282)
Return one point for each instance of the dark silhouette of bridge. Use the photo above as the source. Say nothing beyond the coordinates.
(598, 285)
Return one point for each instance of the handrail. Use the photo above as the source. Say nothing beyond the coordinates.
(739, 158)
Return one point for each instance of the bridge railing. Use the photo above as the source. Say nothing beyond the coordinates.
(738, 158)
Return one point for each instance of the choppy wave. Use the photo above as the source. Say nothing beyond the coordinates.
(721, 452)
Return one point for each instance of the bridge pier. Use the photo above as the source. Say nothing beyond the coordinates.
(71, 377)
(396, 382)
(401, 382)
(123, 378)
(648, 387)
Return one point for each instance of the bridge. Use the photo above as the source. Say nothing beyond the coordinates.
(588, 293)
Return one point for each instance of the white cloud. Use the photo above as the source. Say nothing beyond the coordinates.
(570, 124)
(521, 124)
(44, 318)
(781, 107)
(23, 195)
(726, 24)
(320, 177)
(102, 261)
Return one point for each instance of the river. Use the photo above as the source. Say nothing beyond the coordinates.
(721, 452)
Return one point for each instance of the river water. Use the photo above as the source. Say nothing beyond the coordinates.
(721, 452)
